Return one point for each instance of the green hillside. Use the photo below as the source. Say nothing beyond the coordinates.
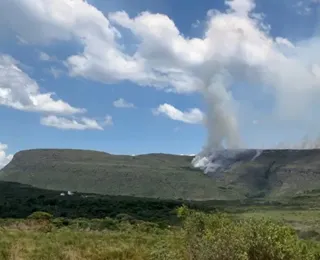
(153, 175)
(275, 174)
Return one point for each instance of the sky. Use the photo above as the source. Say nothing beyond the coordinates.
(134, 77)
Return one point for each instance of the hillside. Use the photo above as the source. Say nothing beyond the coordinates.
(277, 173)
(153, 175)
(272, 175)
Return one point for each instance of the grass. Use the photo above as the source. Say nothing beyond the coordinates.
(30, 241)
(306, 222)
(200, 237)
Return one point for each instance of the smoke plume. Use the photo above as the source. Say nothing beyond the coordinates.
(252, 56)
(237, 48)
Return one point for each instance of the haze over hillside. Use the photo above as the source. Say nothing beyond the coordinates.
(273, 174)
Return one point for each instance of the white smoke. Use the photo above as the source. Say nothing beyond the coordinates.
(251, 55)
(236, 47)
(305, 143)
(220, 160)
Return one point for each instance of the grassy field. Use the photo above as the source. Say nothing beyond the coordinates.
(199, 236)
(91, 226)
(34, 241)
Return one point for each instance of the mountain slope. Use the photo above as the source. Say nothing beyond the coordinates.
(274, 174)
(153, 175)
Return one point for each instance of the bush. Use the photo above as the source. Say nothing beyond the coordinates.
(109, 223)
(124, 217)
(219, 237)
(40, 215)
(60, 222)
(82, 223)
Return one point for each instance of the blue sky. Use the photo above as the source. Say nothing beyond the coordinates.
(70, 81)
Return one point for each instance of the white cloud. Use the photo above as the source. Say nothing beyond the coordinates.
(196, 24)
(64, 20)
(82, 123)
(121, 103)
(19, 91)
(192, 116)
(4, 157)
(305, 7)
(242, 7)
(46, 57)
(108, 121)
(56, 73)
(236, 47)
(284, 41)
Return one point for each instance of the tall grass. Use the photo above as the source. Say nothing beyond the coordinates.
(201, 237)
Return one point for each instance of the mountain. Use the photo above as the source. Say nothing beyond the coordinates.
(153, 175)
(270, 174)
(267, 174)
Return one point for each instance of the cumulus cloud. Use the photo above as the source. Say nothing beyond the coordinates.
(4, 157)
(242, 7)
(63, 20)
(19, 91)
(121, 103)
(236, 47)
(192, 116)
(82, 123)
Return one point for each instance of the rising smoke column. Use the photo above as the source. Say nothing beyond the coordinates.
(236, 47)
(252, 56)
(221, 120)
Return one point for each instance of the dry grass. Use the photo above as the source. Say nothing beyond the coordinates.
(32, 242)
(203, 237)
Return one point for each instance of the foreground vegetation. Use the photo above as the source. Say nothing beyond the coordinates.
(202, 236)
(90, 226)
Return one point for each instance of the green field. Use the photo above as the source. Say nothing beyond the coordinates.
(21, 239)
(90, 226)
(199, 236)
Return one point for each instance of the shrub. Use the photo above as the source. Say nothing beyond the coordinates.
(219, 237)
(109, 223)
(124, 217)
(82, 223)
(60, 222)
(40, 215)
